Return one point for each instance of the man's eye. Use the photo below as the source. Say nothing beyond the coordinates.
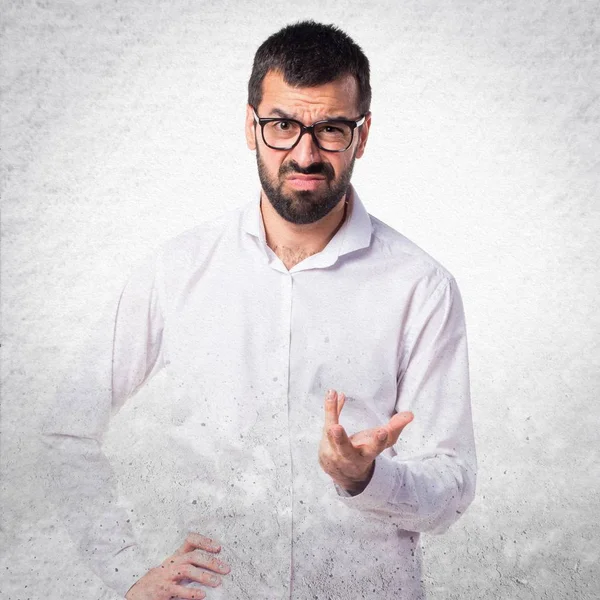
(283, 125)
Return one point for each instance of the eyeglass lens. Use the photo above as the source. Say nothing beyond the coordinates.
(332, 135)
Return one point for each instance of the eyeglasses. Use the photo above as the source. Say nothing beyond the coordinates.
(334, 135)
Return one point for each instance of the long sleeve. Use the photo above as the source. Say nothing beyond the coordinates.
(119, 356)
(428, 479)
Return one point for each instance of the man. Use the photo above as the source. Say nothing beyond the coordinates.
(320, 414)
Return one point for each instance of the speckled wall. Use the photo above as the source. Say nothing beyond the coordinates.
(122, 125)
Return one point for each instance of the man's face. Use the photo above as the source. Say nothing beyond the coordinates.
(305, 183)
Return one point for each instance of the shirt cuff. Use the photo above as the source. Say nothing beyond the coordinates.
(386, 482)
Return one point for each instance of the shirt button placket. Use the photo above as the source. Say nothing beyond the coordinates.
(286, 330)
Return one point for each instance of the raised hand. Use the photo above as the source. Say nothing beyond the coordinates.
(194, 560)
(350, 461)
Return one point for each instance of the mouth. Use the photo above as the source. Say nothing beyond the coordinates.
(305, 182)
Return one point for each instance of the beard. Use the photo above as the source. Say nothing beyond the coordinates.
(304, 206)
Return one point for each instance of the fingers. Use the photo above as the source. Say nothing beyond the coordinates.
(195, 540)
(186, 593)
(198, 558)
(334, 403)
(340, 404)
(371, 442)
(197, 566)
(194, 562)
(192, 573)
(338, 438)
(368, 443)
(335, 433)
(331, 409)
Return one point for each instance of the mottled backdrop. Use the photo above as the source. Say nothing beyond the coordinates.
(122, 125)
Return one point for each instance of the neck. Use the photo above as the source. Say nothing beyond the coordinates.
(293, 243)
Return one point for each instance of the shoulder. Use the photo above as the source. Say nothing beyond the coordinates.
(420, 286)
(174, 263)
(405, 260)
(198, 240)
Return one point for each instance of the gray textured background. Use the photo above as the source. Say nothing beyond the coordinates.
(122, 125)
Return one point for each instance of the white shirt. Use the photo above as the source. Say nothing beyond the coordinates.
(250, 349)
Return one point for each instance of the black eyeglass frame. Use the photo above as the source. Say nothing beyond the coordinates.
(307, 129)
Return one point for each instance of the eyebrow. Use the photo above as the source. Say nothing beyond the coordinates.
(281, 113)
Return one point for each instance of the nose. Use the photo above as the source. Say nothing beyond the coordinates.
(306, 152)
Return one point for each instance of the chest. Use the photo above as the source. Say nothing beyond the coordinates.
(252, 351)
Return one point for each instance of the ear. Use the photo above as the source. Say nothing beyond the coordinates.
(364, 134)
(250, 129)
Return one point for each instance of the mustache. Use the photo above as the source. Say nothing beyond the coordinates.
(317, 168)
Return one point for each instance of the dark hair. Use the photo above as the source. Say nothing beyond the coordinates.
(308, 54)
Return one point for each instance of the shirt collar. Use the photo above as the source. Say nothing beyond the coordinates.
(354, 234)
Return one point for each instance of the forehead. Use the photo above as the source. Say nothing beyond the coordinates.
(336, 98)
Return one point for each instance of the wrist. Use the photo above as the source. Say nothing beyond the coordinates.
(358, 485)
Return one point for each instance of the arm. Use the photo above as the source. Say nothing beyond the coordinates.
(119, 357)
(424, 480)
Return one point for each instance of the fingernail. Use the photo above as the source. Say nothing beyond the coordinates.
(330, 393)
(382, 435)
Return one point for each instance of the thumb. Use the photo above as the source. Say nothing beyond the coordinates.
(395, 426)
